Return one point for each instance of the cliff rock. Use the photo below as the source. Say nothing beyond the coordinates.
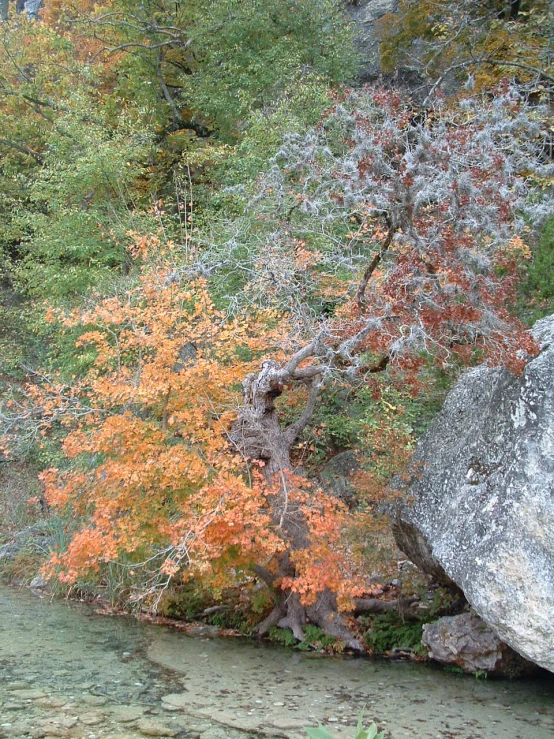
(364, 15)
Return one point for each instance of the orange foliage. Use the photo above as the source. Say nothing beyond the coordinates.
(152, 474)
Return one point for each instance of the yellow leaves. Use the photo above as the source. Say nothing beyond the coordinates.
(515, 250)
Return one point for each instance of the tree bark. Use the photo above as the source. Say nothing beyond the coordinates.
(258, 434)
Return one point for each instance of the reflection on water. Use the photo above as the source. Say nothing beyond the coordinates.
(65, 672)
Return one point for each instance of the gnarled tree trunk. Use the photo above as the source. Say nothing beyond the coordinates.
(259, 434)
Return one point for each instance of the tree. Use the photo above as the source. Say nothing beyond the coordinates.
(92, 103)
(73, 163)
(409, 226)
(214, 63)
(152, 476)
(382, 240)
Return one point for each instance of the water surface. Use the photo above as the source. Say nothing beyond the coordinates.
(65, 671)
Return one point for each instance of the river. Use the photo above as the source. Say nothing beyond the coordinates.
(67, 672)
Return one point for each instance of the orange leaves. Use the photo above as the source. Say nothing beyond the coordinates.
(151, 469)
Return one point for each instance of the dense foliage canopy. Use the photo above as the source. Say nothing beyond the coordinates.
(223, 266)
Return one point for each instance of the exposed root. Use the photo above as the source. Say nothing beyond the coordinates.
(290, 613)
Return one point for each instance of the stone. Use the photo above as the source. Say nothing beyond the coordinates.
(55, 727)
(91, 719)
(35, 536)
(288, 723)
(203, 631)
(51, 701)
(38, 583)
(93, 700)
(126, 714)
(150, 727)
(480, 505)
(33, 7)
(467, 642)
(176, 701)
(28, 694)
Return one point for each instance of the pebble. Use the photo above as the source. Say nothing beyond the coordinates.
(28, 694)
(175, 701)
(91, 719)
(53, 730)
(51, 701)
(283, 723)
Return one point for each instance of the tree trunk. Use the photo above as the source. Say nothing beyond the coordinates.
(258, 434)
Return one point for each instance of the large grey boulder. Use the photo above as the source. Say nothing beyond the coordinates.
(482, 499)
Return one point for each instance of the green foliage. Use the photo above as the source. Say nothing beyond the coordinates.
(230, 58)
(369, 732)
(236, 609)
(390, 631)
(184, 601)
(18, 483)
(315, 638)
(285, 637)
(454, 670)
(79, 205)
(480, 674)
(455, 40)
(265, 50)
(537, 286)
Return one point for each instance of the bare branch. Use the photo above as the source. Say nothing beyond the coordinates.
(372, 266)
(293, 431)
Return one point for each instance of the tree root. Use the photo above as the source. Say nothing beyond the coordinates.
(290, 613)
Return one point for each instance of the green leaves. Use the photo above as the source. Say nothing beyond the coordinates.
(368, 733)
(319, 733)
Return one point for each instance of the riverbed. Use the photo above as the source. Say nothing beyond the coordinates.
(67, 672)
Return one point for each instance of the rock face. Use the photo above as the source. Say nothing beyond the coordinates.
(33, 536)
(336, 474)
(364, 14)
(482, 499)
(466, 641)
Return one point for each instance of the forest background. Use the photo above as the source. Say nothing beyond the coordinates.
(229, 270)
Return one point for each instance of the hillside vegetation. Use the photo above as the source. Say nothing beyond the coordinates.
(224, 263)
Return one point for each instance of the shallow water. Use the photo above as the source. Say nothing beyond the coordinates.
(65, 671)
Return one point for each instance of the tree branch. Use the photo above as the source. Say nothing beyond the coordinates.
(374, 605)
(295, 429)
(372, 266)
(22, 149)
